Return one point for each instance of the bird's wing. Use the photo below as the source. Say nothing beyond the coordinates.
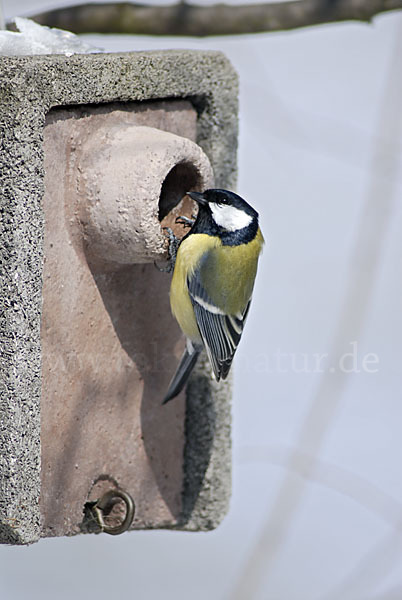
(220, 332)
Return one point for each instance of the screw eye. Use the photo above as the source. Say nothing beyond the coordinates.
(105, 504)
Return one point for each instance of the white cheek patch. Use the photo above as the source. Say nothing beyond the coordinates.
(229, 217)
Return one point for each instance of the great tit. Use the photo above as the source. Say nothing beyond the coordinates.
(213, 280)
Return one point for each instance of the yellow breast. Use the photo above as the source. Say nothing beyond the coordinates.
(227, 274)
(187, 259)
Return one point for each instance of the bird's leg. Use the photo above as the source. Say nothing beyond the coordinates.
(185, 221)
(173, 246)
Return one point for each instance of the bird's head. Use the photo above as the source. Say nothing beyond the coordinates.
(227, 210)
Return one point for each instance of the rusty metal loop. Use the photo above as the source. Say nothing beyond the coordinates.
(107, 501)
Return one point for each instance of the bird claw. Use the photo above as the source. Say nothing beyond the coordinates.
(172, 250)
(185, 221)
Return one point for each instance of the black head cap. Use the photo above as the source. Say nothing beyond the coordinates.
(223, 197)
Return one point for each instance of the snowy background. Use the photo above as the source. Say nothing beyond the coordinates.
(316, 512)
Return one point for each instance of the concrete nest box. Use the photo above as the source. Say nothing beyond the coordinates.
(98, 152)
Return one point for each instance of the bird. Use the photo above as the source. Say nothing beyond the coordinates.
(213, 279)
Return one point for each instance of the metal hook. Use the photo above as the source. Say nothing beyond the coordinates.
(106, 502)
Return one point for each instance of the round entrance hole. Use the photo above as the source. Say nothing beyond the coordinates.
(183, 178)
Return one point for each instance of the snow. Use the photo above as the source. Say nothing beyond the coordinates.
(32, 38)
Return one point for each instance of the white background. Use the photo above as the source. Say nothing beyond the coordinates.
(316, 510)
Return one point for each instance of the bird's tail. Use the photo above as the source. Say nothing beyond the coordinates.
(182, 374)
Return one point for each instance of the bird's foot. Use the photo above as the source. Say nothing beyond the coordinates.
(185, 221)
(172, 250)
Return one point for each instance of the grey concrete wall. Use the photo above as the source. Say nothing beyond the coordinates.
(29, 88)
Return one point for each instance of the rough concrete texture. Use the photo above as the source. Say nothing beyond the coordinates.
(29, 88)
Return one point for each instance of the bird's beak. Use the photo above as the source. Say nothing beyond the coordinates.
(198, 197)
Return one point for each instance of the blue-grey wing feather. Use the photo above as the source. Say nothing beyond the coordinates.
(220, 332)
